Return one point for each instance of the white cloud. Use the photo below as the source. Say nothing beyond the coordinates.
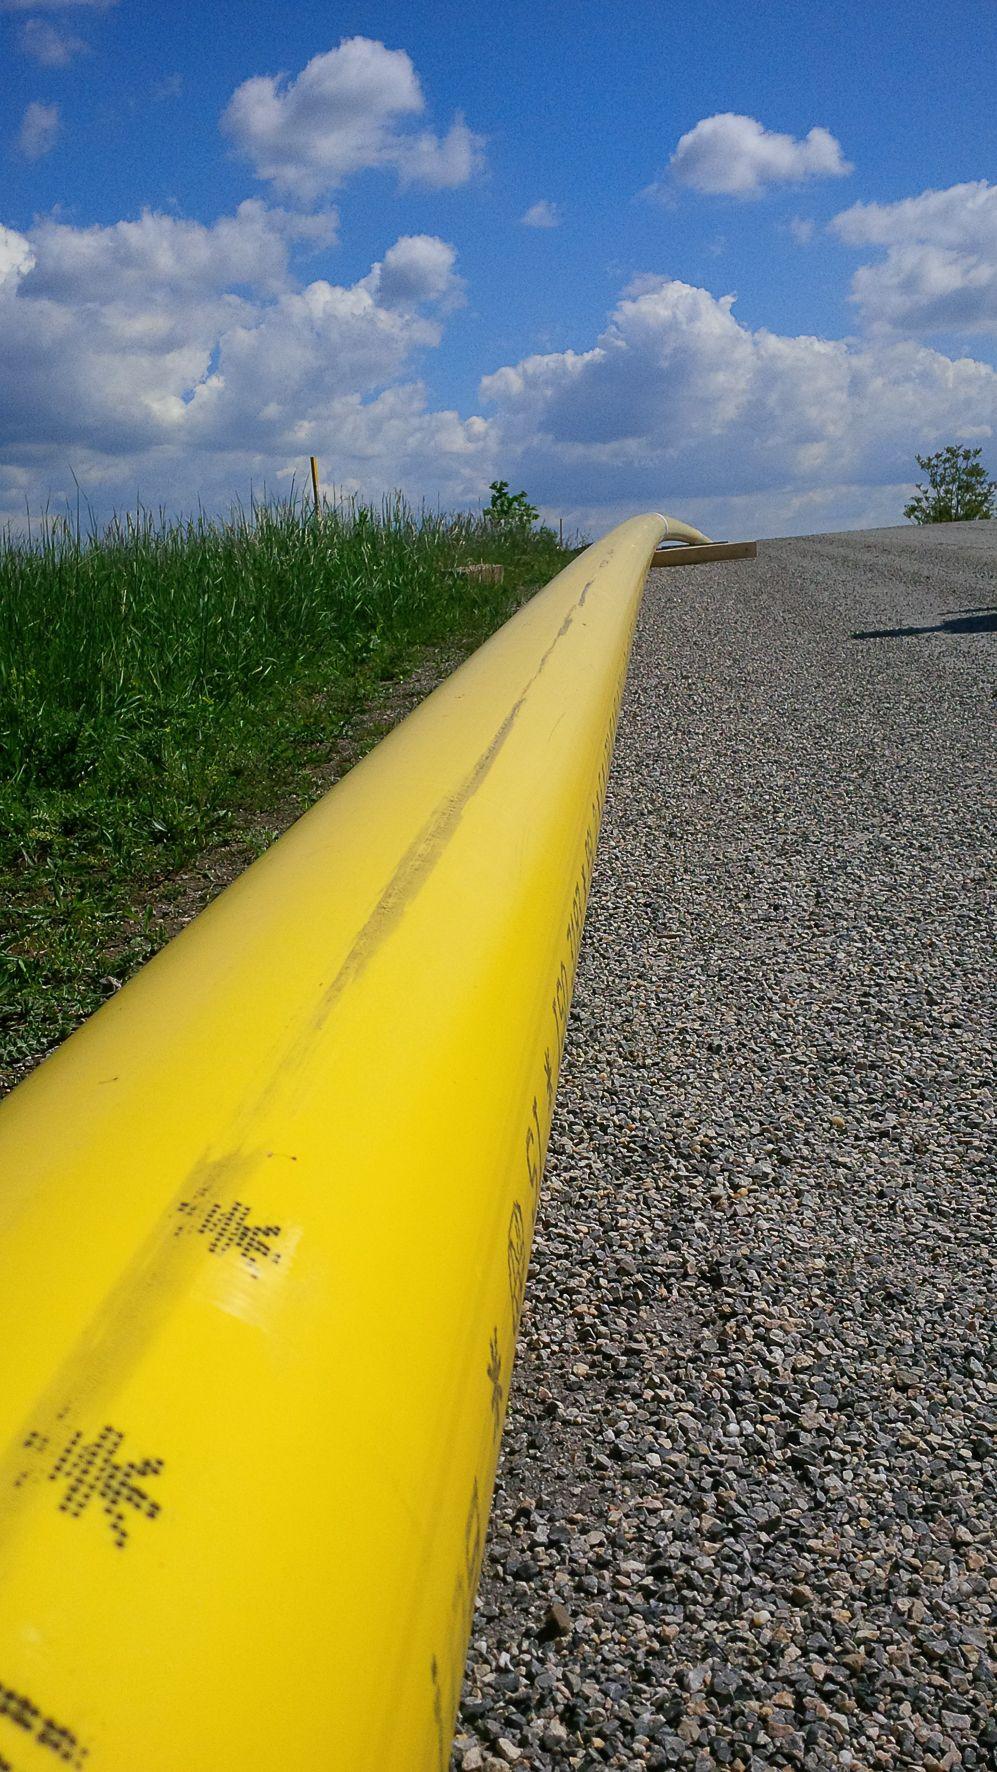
(940, 269)
(39, 130)
(441, 163)
(16, 255)
(678, 402)
(46, 44)
(181, 360)
(188, 360)
(543, 214)
(735, 156)
(163, 257)
(346, 111)
(801, 229)
(418, 268)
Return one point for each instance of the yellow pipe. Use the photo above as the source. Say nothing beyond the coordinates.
(675, 531)
(264, 1224)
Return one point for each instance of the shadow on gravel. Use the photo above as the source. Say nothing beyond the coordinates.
(967, 621)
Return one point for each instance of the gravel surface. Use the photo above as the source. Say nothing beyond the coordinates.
(745, 1508)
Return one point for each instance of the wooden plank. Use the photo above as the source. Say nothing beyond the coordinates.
(487, 573)
(696, 556)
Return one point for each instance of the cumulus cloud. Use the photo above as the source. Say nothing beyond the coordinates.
(164, 257)
(543, 214)
(348, 110)
(734, 156)
(678, 402)
(418, 268)
(186, 361)
(16, 255)
(801, 229)
(190, 360)
(940, 267)
(46, 44)
(39, 130)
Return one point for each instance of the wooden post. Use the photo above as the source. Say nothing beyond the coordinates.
(560, 531)
(314, 461)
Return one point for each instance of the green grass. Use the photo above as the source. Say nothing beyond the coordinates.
(162, 685)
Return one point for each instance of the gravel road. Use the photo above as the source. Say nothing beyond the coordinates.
(745, 1509)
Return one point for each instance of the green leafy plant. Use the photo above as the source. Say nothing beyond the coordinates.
(958, 489)
(508, 507)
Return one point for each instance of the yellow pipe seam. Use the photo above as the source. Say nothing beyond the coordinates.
(265, 1222)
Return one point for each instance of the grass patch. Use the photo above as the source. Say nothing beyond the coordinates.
(163, 686)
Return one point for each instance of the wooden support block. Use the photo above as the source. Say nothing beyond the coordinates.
(696, 556)
(487, 574)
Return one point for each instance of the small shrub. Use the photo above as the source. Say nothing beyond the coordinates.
(958, 489)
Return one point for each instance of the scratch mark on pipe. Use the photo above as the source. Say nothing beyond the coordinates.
(425, 851)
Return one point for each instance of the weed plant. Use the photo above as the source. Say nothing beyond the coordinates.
(161, 680)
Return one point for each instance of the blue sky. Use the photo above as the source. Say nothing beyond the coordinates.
(383, 302)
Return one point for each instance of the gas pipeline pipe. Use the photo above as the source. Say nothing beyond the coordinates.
(265, 1223)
